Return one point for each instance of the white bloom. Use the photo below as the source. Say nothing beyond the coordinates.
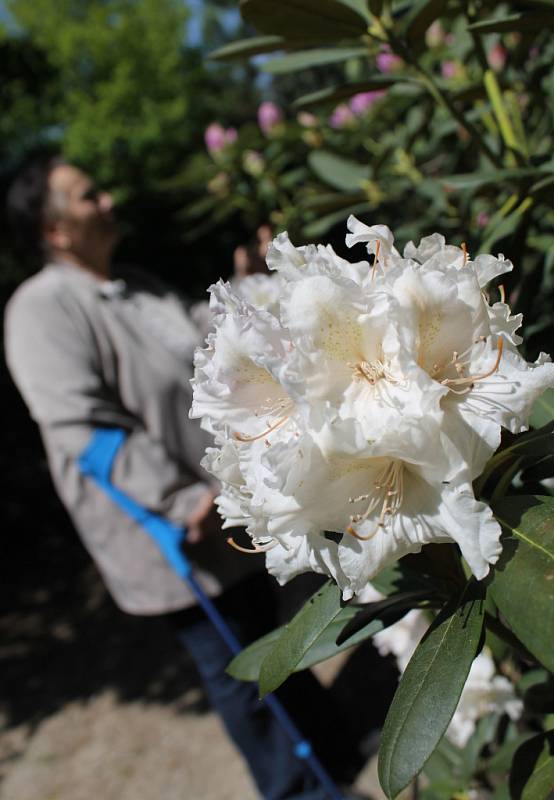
(233, 385)
(402, 638)
(381, 507)
(356, 403)
(483, 693)
(260, 291)
(379, 238)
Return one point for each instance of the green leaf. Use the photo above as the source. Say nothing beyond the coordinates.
(244, 48)
(534, 444)
(303, 59)
(477, 180)
(313, 20)
(359, 6)
(444, 763)
(539, 698)
(429, 690)
(543, 410)
(299, 635)
(532, 775)
(522, 584)
(483, 735)
(246, 666)
(502, 760)
(514, 22)
(541, 469)
(333, 94)
(315, 229)
(337, 171)
(393, 605)
(420, 17)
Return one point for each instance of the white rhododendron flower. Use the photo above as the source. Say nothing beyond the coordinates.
(484, 691)
(355, 405)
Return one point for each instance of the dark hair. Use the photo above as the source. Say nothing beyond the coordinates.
(27, 204)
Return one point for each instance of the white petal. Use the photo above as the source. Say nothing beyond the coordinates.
(488, 267)
(371, 234)
(507, 396)
(428, 247)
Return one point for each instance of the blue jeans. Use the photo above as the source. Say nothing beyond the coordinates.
(277, 772)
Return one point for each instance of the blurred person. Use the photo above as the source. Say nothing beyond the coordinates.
(93, 347)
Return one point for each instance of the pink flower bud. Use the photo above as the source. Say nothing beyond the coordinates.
(434, 35)
(449, 69)
(364, 100)
(269, 116)
(306, 119)
(231, 135)
(387, 61)
(341, 116)
(214, 138)
(483, 219)
(497, 57)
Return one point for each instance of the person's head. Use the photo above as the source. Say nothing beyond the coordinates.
(57, 211)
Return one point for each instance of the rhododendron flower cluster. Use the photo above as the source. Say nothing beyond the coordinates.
(353, 410)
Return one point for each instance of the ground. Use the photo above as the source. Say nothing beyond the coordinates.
(96, 704)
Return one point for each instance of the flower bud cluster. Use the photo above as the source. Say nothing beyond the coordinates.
(354, 404)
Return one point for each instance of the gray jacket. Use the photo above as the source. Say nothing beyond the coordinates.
(84, 354)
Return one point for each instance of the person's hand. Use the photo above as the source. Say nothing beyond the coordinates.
(251, 258)
(204, 520)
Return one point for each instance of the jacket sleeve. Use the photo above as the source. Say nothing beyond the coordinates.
(53, 356)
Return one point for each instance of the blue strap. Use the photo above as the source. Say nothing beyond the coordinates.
(96, 462)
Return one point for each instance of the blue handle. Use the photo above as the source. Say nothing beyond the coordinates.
(96, 462)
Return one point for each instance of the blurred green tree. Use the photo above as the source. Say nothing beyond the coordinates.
(121, 98)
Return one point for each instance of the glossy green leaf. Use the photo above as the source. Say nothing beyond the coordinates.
(314, 20)
(514, 22)
(539, 470)
(503, 758)
(359, 6)
(522, 583)
(246, 666)
(315, 229)
(429, 690)
(532, 775)
(482, 736)
(543, 410)
(534, 445)
(337, 171)
(421, 15)
(245, 48)
(334, 94)
(477, 180)
(305, 59)
(394, 605)
(299, 635)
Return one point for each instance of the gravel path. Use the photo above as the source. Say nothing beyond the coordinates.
(110, 750)
(97, 705)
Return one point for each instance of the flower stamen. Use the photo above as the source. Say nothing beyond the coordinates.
(243, 437)
(251, 551)
(471, 379)
(390, 488)
(372, 371)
